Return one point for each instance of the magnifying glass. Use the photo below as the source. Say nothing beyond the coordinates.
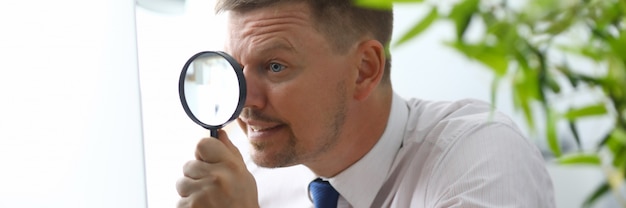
(212, 89)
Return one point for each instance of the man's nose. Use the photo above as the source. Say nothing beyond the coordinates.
(255, 90)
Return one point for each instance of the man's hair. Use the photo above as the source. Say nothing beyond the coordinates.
(340, 21)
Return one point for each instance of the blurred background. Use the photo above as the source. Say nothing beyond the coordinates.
(90, 114)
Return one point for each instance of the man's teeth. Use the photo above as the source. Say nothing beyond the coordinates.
(258, 128)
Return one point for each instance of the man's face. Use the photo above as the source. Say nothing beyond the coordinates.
(297, 85)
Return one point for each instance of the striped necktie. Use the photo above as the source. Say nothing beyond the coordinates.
(323, 194)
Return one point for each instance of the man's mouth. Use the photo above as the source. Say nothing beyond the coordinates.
(260, 126)
(263, 131)
(263, 128)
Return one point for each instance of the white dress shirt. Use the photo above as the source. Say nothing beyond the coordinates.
(447, 154)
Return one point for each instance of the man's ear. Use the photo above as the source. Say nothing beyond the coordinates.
(371, 68)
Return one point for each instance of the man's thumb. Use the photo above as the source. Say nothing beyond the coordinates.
(223, 137)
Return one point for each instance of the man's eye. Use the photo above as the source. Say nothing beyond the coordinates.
(276, 67)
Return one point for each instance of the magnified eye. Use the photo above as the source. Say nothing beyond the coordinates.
(275, 67)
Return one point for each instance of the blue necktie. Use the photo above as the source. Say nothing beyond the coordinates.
(323, 194)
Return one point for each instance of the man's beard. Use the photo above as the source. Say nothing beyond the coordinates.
(292, 153)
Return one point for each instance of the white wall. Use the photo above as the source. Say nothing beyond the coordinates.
(70, 122)
(166, 41)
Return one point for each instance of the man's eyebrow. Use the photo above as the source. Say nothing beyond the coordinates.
(277, 46)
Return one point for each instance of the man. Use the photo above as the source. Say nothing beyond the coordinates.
(319, 94)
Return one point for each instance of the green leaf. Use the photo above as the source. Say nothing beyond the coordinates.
(382, 4)
(617, 45)
(522, 103)
(619, 156)
(562, 23)
(618, 135)
(615, 141)
(525, 87)
(494, 92)
(375, 4)
(571, 76)
(462, 14)
(589, 50)
(572, 127)
(408, 1)
(591, 110)
(419, 27)
(580, 159)
(552, 84)
(553, 141)
(495, 60)
(597, 193)
(494, 57)
(493, 24)
(605, 14)
(387, 51)
(622, 6)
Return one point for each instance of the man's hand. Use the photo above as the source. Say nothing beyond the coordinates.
(217, 178)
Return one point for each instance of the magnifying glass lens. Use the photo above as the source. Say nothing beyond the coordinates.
(212, 89)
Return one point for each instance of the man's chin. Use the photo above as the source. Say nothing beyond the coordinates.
(263, 158)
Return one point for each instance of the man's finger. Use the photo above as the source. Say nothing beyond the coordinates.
(223, 136)
(184, 202)
(195, 200)
(186, 186)
(196, 169)
(211, 150)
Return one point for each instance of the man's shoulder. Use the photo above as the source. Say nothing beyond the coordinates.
(452, 145)
(442, 110)
(435, 120)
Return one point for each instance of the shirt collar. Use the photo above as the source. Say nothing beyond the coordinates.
(359, 183)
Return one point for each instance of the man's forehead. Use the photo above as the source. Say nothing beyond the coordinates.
(244, 49)
(277, 10)
(242, 25)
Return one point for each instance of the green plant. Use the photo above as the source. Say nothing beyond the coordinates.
(531, 47)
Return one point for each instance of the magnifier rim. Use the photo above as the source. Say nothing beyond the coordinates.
(242, 88)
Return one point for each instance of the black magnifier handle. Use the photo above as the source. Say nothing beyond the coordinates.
(213, 133)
